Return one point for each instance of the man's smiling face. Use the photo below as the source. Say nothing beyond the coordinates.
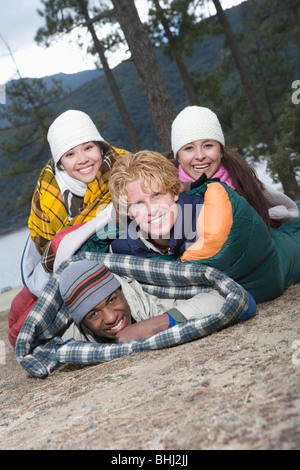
(153, 211)
(110, 316)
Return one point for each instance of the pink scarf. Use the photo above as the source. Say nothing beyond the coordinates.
(221, 173)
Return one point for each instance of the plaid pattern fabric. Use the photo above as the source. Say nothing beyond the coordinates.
(48, 214)
(39, 348)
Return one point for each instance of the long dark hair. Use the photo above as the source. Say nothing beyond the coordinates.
(246, 182)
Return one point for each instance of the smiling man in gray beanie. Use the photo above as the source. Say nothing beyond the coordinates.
(107, 307)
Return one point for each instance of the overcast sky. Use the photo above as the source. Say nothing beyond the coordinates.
(19, 22)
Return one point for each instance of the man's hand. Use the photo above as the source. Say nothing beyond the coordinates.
(144, 328)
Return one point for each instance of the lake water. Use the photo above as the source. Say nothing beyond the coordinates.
(11, 250)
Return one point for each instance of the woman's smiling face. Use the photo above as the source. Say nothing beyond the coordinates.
(154, 212)
(200, 156)
(82, 162)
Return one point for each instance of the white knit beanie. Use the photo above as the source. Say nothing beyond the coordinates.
(69, 129)
(195, 123)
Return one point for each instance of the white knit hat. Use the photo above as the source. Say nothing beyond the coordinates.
(195, 123)
(71, 128)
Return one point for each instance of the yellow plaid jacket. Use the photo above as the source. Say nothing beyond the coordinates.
(48, 214)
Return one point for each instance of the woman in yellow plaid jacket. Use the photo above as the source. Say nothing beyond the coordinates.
(73, 186)
(72, 189)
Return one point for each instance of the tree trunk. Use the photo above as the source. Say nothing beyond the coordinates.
(245, 78)
(151, 77)
(187, 82)
(114, 87)
(293, 10)
(289, 182)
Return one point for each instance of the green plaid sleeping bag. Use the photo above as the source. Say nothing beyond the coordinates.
(40, 349)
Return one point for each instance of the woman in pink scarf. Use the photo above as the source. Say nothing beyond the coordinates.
(198, 144)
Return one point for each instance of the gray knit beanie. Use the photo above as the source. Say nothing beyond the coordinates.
(195, 123)
(83, 285)
(69, 129)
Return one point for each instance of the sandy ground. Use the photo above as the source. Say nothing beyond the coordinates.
(236, 389)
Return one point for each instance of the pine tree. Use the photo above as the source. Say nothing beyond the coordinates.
(27, 115)
(268, 49)
(63, 16)
(173, 30)
(151, 77)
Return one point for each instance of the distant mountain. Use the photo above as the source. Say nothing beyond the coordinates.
(69, 81)
(74, 80)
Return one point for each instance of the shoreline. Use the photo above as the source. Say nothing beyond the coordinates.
(7, 297)
(13, 232)
(12, 248)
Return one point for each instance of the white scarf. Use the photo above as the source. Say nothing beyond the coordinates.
(73, 186)
(66, 182)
